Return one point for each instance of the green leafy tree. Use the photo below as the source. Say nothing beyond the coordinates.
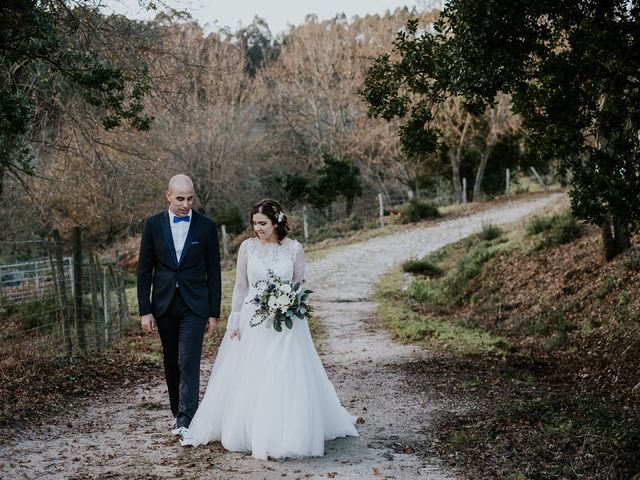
(334, 178)
(572, 69)
(52, 52)
(337, 177)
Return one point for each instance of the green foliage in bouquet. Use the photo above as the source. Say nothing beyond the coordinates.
(280, 302)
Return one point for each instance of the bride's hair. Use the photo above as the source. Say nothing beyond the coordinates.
(273, 210)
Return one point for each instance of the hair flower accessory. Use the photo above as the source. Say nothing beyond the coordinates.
(280, 217)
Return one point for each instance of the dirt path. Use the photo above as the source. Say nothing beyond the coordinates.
(125, 435)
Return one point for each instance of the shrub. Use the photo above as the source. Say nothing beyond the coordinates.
(422, 267)
(490, 232)
(556, 229)
(632, 262)
(416, 210)
(565, 229)
(538, 225)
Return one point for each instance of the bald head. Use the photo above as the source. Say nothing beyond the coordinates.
(180, 195)
(180, 182)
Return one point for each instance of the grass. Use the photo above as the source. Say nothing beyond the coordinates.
(552, 375)
(436, 331)
(461, 262)
(422, 267)
(416, 210)
(556, 229)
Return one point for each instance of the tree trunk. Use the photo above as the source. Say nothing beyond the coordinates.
(477, 186)
(456, 158)
(617, 242)
(608, 245)
(349, 206)
(455, 171)
(621, 237)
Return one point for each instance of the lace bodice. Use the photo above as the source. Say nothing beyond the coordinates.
(255, 259)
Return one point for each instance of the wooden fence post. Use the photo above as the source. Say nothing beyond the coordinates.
(538, 177)
(65, 319)
(77, 297)
(123, 309)
(507, 182)
(305, 223)
(96, 316)
(225, 241)
(106, 303)
(381, 208)
(464, 190)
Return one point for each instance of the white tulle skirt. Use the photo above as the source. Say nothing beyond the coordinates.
(269, 394)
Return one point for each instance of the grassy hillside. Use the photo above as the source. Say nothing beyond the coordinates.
(540, 337)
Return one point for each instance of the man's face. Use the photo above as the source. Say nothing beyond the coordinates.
(180, 199)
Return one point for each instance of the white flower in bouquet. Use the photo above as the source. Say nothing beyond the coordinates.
(279, 301)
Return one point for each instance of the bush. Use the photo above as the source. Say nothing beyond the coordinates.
(232, 220)
(538, 225)
(556, 229)
(416, 210)
(632, 261)
(565, 229)
(490, 232)
(422, 267)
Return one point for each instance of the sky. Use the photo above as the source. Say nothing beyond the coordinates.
(277, 13)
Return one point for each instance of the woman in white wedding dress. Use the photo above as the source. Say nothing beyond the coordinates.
(268, 392)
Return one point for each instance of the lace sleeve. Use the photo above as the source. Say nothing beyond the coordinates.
(240, 288)
(298, 263)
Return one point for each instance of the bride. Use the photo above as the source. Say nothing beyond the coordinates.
(268, 392)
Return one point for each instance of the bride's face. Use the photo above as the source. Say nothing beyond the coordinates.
(264, 228)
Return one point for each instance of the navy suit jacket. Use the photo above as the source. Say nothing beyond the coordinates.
(197, 274)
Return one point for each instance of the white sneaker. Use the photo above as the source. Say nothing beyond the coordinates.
(180, 431)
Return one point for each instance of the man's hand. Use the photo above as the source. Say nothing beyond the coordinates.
(148, 323)
(212, 323)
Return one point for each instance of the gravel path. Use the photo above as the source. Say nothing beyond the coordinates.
(125, 434)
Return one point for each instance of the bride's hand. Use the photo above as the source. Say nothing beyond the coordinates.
(235, 333)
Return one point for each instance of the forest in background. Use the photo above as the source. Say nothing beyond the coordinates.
(246, 114)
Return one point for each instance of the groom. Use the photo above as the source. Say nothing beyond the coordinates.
(179, 258)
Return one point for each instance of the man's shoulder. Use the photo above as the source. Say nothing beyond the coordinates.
(157, 217)
(203, 219)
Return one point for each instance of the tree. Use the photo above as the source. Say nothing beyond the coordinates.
(338, 177)
(334, 178)
(497, 123)
(52, 51)
(571, 68)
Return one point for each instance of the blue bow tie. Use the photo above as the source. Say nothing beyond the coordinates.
(177, 219)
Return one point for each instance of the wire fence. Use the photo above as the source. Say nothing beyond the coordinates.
(58, 299)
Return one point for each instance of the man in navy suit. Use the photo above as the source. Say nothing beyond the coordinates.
(179, 258)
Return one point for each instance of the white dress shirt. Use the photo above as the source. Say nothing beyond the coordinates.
(179, 232)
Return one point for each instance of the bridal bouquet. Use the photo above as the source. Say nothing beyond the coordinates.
(280, 301)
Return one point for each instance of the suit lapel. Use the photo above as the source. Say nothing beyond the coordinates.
(192, 231)
(166, 231)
